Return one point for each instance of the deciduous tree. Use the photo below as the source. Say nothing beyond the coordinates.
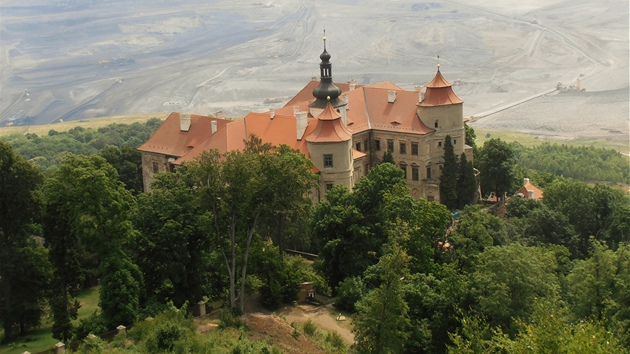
(496, 165)
(24, 269)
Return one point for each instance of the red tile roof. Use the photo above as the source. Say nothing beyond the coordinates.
(329, 128)
(538, 193)
(170, 140)
(306, 94)
(439, 93)
(369, 109)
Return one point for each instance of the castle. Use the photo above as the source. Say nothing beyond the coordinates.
(344, 129)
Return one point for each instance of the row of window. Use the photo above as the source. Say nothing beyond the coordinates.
(390, 146)
(415, 174)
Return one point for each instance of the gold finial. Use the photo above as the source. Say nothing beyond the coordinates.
(328, 98)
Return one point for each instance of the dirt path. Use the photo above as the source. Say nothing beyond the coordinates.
(321, 317)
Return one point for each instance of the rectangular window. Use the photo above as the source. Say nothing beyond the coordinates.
(390, 146)
(156, 167)
(429, 172)
(403, 148)
(414, 148)
(404, 168)
(329, 186)
(358, 146)
(430, 198)
(454, 142)
(439, 144)
(328, 160)
(377, 145)
(414, 173)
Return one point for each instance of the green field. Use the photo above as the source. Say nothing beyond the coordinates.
(528, 140)
(41, 338)
(93, 123)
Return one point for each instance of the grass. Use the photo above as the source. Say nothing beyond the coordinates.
(41, 338)
(528, 140)
(93, 123)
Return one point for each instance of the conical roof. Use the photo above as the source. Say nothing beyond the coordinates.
(439, 92)
(330, 128)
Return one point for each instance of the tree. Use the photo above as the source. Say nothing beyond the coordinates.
(239, 192)
(470, 138)
(128, 162)
(381, 324)
(86, 192)
(65, 253)
(448, 179)
(599, 288)
(476, 231)
(496, 166)
(466, 183)
(351, 228)
(436, 301)
(509, 279)
(24, 269)
(549, 331)
(172, 250)
(592, 211)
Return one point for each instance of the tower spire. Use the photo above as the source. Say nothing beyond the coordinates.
(326, 91)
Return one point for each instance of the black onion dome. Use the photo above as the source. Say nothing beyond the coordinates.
(326, 90)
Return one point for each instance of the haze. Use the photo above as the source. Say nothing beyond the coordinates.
(78, 59)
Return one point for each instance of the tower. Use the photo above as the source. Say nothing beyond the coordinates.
(326, 92)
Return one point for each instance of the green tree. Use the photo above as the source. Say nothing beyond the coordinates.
(599, 288)
(471, 136)
(238, 191)
(128, 162)
(85, 190)
(436, 301)
(597, 211)
(381, 324)
(466, 183)
(496, 166)
(510, 278)
(65, 253)
(350, 228)
(24, 269)
(448, 179)
(476, 231)
(548, 332)
(172, 249)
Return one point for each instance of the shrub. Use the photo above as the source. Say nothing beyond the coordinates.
(349, 291)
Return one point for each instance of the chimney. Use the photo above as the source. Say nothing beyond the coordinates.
(214, 126)
(296, 110)
(301, 123)
(391, 96)
(420, 90)
(530, 194)
(353, 84)
(345, 98)
(184, 122)
(272, 113)
(525, 181)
